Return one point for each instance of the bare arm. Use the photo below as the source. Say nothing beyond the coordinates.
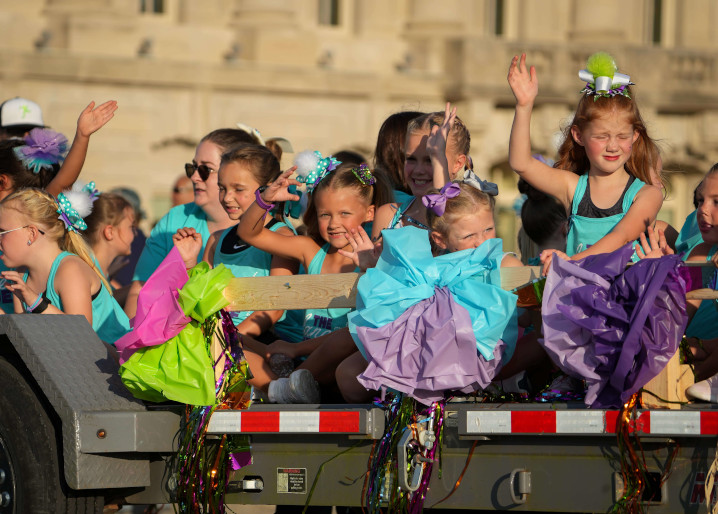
(558, 183)
(436, 147)
(90, 121)
(382, 218)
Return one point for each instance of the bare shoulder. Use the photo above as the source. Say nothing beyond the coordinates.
(511, 261)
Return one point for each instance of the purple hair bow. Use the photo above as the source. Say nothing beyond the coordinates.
(43, 148)
(437, 201)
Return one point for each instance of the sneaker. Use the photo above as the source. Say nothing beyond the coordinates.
(278, 391)
(258, 395)
(518, 383)
(281, 364)
(303, 388)
(564, 387)
(706, 390)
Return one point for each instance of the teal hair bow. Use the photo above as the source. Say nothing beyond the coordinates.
(69, 215)
(324, 166)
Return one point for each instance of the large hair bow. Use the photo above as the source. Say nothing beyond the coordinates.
(43, 148)
(312, 167)
(69, 215)
(473, 180)
(437, 201)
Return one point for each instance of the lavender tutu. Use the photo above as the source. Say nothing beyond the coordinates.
(613, 326)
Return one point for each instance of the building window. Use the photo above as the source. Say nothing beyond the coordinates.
(329, 12)
(498, 18)
(657, 20)
(152, 6)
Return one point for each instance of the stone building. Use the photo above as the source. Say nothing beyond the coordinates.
(325, 73)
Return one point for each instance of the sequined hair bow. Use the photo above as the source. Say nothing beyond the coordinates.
(602, 77)
(473, 180)
(364, 174)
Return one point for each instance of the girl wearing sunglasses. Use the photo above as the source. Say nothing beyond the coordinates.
(205, 215)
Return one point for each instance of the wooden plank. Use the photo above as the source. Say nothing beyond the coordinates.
(670, 385)
(324, 291)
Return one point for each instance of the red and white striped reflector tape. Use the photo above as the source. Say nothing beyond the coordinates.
(568, 422)
(254, 422)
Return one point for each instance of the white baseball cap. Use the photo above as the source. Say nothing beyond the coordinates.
(18, 112)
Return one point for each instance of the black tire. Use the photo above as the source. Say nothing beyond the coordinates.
(29, 454)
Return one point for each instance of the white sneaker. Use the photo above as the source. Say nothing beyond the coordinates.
(278, 391)
(303, 388)
(518, 383)
(706, 390)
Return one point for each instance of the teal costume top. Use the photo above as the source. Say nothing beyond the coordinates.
(318, 322)
(109, 321)
(244, 260)
(704, 324)
(585, 231)
(160, 243)
(5, 294)
(690, 235)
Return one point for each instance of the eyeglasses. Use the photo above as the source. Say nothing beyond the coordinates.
(18, 228)
(202, 169)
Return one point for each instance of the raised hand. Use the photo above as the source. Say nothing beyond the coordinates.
(364, 252)
(189, 243)
(436, 143)
(654, 246)
(523, 81)
(94, 118)
(277, 191)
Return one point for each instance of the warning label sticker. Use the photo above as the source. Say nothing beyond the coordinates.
(292, 480)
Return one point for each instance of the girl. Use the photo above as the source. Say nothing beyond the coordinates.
(460, 217)
(110, 230)
(605, 163)
(389, 151)
(436, 149)
(34, 161)
(205, 215)
(244, 169)
(61, 276)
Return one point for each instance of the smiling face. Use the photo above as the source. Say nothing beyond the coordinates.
(418, 171)
(339, 211)
(237, 185)
(467, 231)
(707, 211)
(608, 142)
(206, 191)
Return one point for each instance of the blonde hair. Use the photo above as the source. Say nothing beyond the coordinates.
(108, 209)
(467, 202)
(459, 139)
(41, 209)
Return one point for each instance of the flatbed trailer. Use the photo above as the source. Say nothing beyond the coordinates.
(72, 438)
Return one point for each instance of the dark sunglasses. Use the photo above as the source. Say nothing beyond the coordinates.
(202, 169)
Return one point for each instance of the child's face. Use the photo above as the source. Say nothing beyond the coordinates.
(468, 231)
(707, 212)
(125, 231)
(236, 188)
(339, 211)
(205, 191)
(608, 142)
(13, 245)
(418, 171)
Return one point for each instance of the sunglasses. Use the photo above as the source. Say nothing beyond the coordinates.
(202, 169)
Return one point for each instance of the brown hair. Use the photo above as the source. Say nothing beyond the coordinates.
(467, 202)
(459, 137)
(389, 152)
(20, 176)
(41, 209)
(541, 214)
(226, 138)
(261, 161)
(645, 155)
(108, 209)
(377, 194)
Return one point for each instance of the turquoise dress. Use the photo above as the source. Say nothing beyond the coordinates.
(160, 243)
(244, 260)
(704, 324)
(318, 322)
(690, 235)
(585, 231)
(109, 321)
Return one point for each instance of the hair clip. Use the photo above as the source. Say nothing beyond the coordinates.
(473, 180)
(437, 201)
(252, 132)
(43, 149)
(69, 215)
(91, 191)
(602, 77)
(312, 168)
(364, 175)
